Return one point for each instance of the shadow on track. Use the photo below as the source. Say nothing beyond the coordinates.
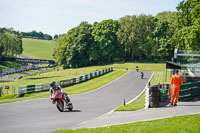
(72, 111)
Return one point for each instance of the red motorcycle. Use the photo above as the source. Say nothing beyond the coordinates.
(61, 103)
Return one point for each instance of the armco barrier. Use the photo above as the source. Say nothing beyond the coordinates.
(63, 83)
(18, 69)
(32, 88)
(189, 91)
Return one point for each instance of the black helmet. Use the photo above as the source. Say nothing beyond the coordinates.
(53, 83)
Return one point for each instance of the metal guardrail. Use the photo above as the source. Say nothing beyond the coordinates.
(8, 71)
(28, 60)
(63, 83)
(189, 91)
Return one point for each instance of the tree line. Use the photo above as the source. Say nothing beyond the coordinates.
(36, 35)
(141, 38)
(10, 42)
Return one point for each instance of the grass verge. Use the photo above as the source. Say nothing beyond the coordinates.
(180, 124)
(158, 77)
(79, 88)
(136, 105)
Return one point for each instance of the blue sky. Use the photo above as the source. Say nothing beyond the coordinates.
(59, 16)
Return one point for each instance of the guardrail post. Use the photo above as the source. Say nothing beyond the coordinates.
(19, 91)
(91, 75)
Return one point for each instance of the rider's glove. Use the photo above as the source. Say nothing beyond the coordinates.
(52, 101)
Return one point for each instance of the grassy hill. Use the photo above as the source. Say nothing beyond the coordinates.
(38, 49)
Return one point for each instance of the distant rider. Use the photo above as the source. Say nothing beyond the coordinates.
(137, 68)
(142, 75)
(54, 88)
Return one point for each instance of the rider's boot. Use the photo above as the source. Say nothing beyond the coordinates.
(67, 100)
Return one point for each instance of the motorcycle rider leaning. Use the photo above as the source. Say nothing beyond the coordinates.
(54, 87)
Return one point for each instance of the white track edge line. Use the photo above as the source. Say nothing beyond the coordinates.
(103, 85)
(119, 106)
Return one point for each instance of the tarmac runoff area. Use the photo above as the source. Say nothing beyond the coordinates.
(124, 117)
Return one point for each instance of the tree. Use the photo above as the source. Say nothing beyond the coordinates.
(55, 36)
(40, 35)
(172, 19)
(106, 48)
(47, 37)
(59, 50)
(36, 35)
(10, 42)
(73, 47)
(126, 36)
(188, 33)
(161, 46)
(134, 35)
(144, 27)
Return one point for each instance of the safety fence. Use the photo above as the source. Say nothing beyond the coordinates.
(189, 91)
(18, 69)
(63, 83)
(192, 79)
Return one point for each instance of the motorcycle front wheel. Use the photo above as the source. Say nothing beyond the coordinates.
(60, 106)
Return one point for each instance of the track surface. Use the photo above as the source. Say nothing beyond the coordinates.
(41, 116)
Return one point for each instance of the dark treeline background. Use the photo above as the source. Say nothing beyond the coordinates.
(36, 35)
(141, 38)
(10, 42)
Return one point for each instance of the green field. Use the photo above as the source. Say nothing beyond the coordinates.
(142, 66)
(180, 124)
(38, 49)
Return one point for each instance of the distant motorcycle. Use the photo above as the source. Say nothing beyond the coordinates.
(142, 75)
(137, 68)
(61, 103)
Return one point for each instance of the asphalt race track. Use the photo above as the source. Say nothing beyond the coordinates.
(41, 116)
